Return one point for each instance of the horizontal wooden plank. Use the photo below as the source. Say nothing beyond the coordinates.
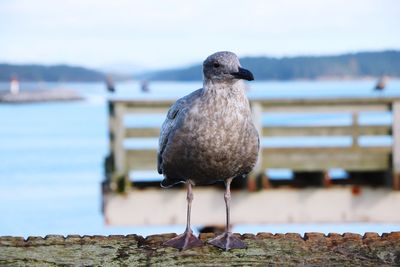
(273, 101)
(278, 109)
(142, 132)
(285, 131)
(295, 108)
(303, 161)
(275, 105)
(331, 101)
(328, 150)
(288, 150)
(141, 159)
(325, 130)
(147, 110)
(126, 102)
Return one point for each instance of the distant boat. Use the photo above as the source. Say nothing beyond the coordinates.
(381, 84)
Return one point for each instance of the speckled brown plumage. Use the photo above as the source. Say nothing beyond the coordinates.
(209, 135)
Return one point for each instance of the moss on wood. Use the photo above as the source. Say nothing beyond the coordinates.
(264, 249)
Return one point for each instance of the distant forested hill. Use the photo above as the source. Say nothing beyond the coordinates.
(357, 65)
(346, 66)
(55, 73)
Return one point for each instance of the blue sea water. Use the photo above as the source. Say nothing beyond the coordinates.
(51, 154)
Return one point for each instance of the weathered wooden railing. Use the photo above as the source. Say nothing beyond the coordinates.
(263, 249)
(297, 158)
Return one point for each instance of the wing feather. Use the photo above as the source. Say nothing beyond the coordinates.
(175, 113)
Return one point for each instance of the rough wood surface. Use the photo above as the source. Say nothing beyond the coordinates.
(264, 249)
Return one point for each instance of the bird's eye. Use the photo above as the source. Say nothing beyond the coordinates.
(216, 65)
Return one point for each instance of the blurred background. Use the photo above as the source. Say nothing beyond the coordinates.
(66, 67)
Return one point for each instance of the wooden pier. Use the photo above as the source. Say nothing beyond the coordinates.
(352, 158)
(367, 165)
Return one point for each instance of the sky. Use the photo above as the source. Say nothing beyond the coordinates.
(170, 33)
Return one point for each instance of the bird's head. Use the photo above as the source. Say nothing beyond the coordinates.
(225, 67)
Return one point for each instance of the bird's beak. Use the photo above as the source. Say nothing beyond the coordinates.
(243, 74)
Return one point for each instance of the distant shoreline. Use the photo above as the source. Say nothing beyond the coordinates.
(34, 96)
(324, 78)
(350, 66)
(346, 66)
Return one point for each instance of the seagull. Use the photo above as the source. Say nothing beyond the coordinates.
(209, 136)
(381, 84)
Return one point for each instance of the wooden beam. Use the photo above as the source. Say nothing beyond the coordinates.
(382, 150)
(142, 132)
(117, 125)
(263, 249)
(351, 101)
(396, 145)
(141, 159)
(325, 130)
(295, 158)
(285, 131)
(323, 160)
(355, 130)
(147, 110)
(318, 108)
(281, 205)
(257, 120)
(276, 101)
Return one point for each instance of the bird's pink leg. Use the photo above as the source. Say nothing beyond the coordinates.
(227, 240)
(187, 239)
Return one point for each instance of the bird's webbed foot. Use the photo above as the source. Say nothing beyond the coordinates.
(227, 241)
(184, 241)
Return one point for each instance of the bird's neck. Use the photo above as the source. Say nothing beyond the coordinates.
(224, 89)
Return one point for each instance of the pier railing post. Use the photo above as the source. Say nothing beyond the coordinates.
(355, 129)
(117, 131)
(109, 164)
(256, 108)
(396, 145)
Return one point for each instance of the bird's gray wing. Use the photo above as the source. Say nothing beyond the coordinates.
(170, 124)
